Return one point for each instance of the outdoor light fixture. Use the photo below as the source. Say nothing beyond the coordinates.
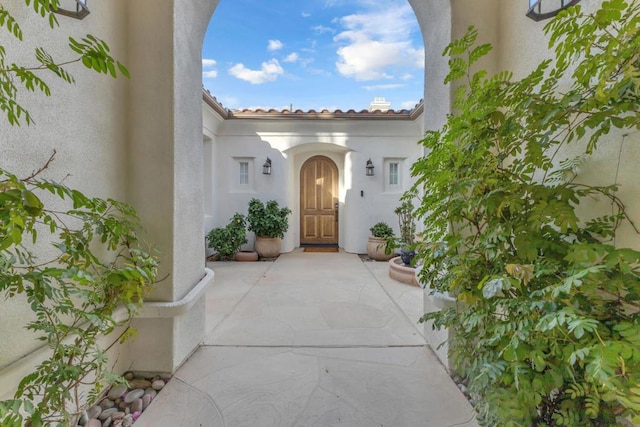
(81, 11)
(369, 168)
(545, 9)
(266, 168)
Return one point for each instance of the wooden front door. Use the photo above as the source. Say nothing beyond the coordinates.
(319, 201)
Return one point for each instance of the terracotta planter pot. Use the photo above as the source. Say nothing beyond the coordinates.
(375, 249)
(401, 273)
(267, 247)
(246, 256)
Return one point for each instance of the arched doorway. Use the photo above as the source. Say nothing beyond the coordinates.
(319, 202)
(164, 153)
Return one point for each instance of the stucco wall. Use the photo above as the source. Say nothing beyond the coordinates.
(137, 140)
(211, 121)
(86, 123)
(363, 200)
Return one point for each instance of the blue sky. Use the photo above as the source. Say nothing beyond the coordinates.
(314, 54)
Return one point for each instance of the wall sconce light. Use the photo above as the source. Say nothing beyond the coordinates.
(81, 11)
(266, 168)
(369, 168)
(545, 9)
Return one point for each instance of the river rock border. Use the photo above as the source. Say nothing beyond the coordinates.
(122, 405)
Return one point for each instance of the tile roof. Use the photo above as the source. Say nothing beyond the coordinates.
(325, 114)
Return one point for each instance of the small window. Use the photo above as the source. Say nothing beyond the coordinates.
(394, 177)
(244, 173)
(241, 175)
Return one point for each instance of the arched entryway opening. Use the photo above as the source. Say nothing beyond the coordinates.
(165, 155)
(319, 202)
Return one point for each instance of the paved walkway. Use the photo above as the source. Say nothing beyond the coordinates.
(313, 339)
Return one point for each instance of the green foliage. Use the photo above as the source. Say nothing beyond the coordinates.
(407, 225)
(547, 327)
(406, 221)
(381, 230)
(95, 267)
(76, 260)
(269, 220)
(92, 52)
(226, 241)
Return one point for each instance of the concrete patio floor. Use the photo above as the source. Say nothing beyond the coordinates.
(312, 339)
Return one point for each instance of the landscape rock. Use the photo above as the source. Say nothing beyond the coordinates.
(107, 403)
(136, 405)
(133, 395)
(146, 400)
(123, 404)
(139, 383)
(107, 413)
(117, 392)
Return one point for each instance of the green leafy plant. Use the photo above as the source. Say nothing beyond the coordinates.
(381, 230)
(226, 241)
(268, 220)
(92, 52)
(76, 260)
(547, 328)
(97, 267)
(406, 222)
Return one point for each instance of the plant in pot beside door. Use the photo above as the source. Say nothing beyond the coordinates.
(269, 222)
(226, 241)
(381, 233)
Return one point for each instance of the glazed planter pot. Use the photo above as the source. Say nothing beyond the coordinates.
(375, 249)
(246, 256)
(407, 256)
(267, 247)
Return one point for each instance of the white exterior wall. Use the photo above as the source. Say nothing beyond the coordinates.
(211, 122)
(86, 123)
(137, 140)
(289, 143)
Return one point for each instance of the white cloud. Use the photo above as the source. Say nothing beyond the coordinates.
(208, 63)
(305, 14)
(384, 87)
(321, 29)
(274, 45)
(208, 70)
(292, 57)
(268, 72)
(376, 42)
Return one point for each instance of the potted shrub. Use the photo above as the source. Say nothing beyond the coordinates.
(407, 232)
(401, 267)
(381, 233)
(226, 241)
(269, 222)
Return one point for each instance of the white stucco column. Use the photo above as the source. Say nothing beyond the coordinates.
(165, 172)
